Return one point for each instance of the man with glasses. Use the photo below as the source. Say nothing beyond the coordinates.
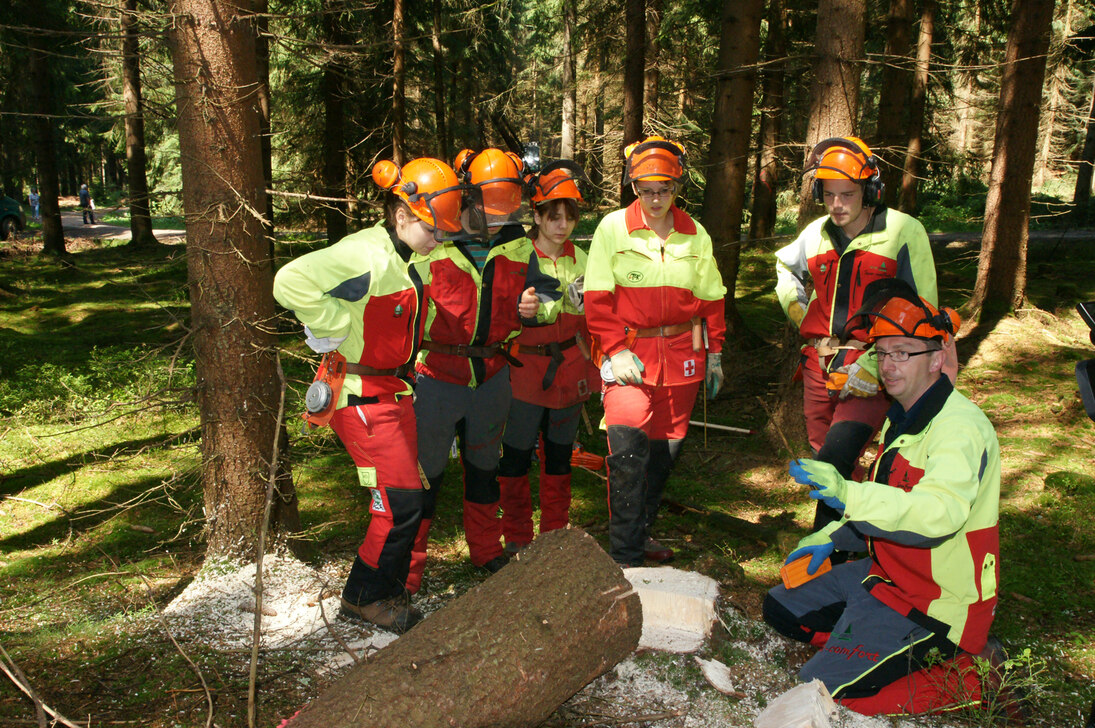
(860, 240)
(897, 631)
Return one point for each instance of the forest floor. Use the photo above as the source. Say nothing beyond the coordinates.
(101, 523)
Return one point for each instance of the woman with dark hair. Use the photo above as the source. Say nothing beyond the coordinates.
(362, 304)
(554, 379)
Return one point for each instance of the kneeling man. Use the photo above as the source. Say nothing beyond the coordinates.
(897, 628)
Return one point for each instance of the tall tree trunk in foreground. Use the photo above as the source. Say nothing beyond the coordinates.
(140, 219)
(894, 97)
(399, 78)
(41, 81)
(834, 95)
(728, 158)
(762, 220)
(915, 145)
(230, 273)
(554, 629)
(634, 68)
(570, 87)
(1002, 266)
(1082, 194)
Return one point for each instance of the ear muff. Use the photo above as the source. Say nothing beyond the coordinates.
(873, 187)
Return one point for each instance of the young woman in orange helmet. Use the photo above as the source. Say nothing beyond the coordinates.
(654, 305)
(363, 300)
(555, 376)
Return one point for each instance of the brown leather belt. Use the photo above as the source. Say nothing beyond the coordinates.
(671, 330)
(364, 370)
(472, 352)
(544, 349)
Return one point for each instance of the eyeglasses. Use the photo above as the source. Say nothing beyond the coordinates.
(897, 356)
(649, 194)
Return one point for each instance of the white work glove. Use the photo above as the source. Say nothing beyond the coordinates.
(576, 291)
(861, 383)
(324, 344)
(623, 368)
(714, 378)
(796, 312)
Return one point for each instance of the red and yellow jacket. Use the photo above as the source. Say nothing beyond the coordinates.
(572, 377)
(472, 308)
(361, 288)
(635, 281)
(929, 515)
(893, 245)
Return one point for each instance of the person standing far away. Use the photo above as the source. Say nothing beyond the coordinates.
(85, 204)
(362, 304)
(554, 379)
(858, 241)
(654, 306)
(484, 288)
(34, 199)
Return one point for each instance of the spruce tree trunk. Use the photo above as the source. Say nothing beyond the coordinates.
(652, 75)
(262, 50)
(333, 91)
(634, 69)
(140, 218)
(834, 95)
(41, 81)
(762, 220)
(731, 130)
(399, 77)
(1082, 193)
(570, 87)
(439, 110)
(230, 274)
(1002, 265)
(911, 173)
(507, 653)
(893, 100)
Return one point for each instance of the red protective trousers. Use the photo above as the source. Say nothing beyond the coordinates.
(381, 438)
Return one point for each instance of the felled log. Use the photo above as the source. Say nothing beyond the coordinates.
(508, 653)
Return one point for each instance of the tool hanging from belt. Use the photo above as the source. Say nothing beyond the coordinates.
(321, 399)
(473, 352)
(553, 349)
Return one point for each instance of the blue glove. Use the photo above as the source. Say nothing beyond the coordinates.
(831, 488)
(817, 554)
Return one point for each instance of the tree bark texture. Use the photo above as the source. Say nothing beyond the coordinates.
(762, 220)
(230, 273)
(399, 77)
(333, 90)
(731, 129)
(442, 127)
(893, 100)
(1002, 265)
(262, 52)
(652, 75)
(570, 86)
(834, 96)
(910, 176)
(41, 82)
(507, 653)
(140, 219)
(1082, 193)
(634, 68)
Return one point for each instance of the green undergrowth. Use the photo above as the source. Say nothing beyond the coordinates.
(101, 512)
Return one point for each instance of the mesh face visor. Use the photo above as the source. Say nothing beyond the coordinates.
(452, 209)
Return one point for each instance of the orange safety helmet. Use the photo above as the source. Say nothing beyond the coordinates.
(556, 181)
(654, 159)
(497, 175)
(892, 308)
(845, 158)
(428, 186)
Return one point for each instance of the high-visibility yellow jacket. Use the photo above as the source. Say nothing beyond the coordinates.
(479, 308)
(929, 516)
(635, 281)
(893, 245)
(574, 376)
(364, 289)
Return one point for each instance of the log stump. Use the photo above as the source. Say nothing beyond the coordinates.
(507, 653)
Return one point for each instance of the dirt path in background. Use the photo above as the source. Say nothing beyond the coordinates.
(73, 225)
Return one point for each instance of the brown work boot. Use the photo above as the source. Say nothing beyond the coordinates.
(395, 613)
(1000, 693)
(654, 551)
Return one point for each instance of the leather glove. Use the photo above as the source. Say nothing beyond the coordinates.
(818, 546)
(321, 345)
(860, 383)
(796, 312)
(626, 368)
(576, 291)
(831, 488)
(714, 378)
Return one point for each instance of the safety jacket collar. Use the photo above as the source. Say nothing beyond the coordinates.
(508, 232)
(402, 249)
(921, 413)
(875, 224)
(568, 251)
(682, 222)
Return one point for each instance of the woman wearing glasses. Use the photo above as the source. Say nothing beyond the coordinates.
(654, 306)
